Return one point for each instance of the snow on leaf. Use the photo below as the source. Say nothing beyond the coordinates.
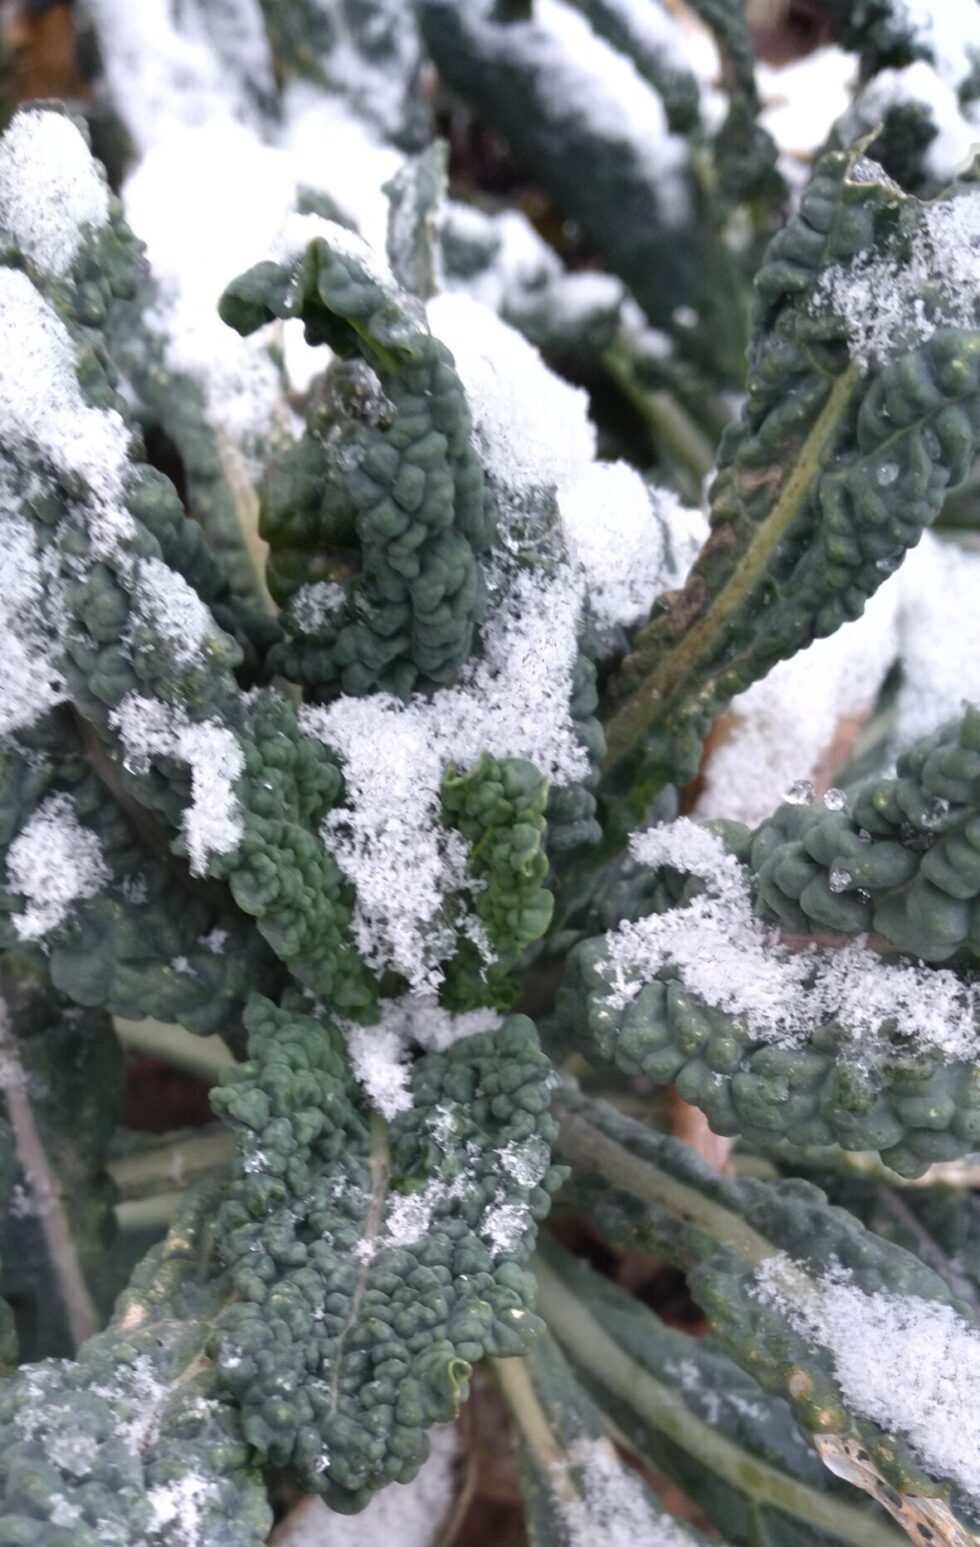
(532, 429)
(616, 527)
(32, 620)
(380, 1054)
(608, 1504)
(40, 401)
(732, 961)
(892, 300)
(910, 1365)
(212, 822)
(50, 189)
(168, 603)
(53, 862)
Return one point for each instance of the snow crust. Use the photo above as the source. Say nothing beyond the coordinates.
(50, 188)
(910, 1365)
(53, 862)
(733, 962)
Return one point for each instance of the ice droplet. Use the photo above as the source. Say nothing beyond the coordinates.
(863, 835)
(887, 472)
(934, 810)
(839, 880)
(799, 793)
(835, 800)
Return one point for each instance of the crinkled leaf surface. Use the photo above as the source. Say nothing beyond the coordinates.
(375, 1263)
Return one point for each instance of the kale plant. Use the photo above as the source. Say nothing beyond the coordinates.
(463, 678)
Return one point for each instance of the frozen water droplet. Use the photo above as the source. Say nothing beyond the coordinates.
(685, 317)
(888, 566)
(934, 810)
(862, 895)
(800, 793)
(839, 880)
(887, 473)
(835, 800)
(914, 838)
(863, 835)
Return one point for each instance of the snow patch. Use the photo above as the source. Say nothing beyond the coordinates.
(883, 297)
(32, 622)
(631, 540)
(409, 1514)
(41, 404)
(212, 822)
(780, 727)
(54, 862)
(165, 601)
(939, 637)
(380, 1054)
(733, 962)
(532, 429)
(911, 1365)
(50, 188)
(601, 1500)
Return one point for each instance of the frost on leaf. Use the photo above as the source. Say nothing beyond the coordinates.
(53, 862)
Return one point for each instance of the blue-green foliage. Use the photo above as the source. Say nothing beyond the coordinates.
(374, 1264)
(187, 839)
